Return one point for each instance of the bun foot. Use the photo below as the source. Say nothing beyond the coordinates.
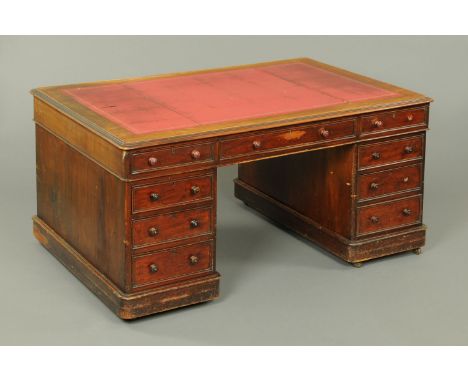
(417, 251)
(357, 265)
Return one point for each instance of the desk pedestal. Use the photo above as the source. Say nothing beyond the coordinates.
(318, 196)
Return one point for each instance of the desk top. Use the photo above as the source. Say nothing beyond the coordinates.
(178, 107)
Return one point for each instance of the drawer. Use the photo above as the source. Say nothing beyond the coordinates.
(174, 156)
(378, 154)
(172, 263)
(263, 142)
(389, 215)
(172, 226)
(390, 181)
(392, 120)
(172, 193)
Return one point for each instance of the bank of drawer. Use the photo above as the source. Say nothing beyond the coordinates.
(389, 215)
(261, 142)
(172, 263)
(388, 152)
(172, 226)
(178, 192)
(390, 181)
(173, 156)
(392, 120)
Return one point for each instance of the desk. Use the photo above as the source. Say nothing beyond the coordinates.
(126, 172)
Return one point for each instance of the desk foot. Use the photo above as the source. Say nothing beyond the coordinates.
(357, 265)
(417, 251)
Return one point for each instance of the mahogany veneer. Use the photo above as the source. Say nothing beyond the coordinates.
(389, 215)
(379, 122)
(171, 157)
(126, 172)
(160, 195)
(174, 263)
(382, 183)
(172, 226)
(390, 151)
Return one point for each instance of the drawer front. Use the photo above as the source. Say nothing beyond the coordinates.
(172, 226)
(394, 214)
(257, 143)
(172, 157)
(172, 263)
(161, 195)
(390, 181)
(392, 120)
(387, 152)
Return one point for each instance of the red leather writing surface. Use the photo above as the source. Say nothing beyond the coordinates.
(172, 103)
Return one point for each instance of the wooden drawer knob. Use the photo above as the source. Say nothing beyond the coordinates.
(409, 149)
(194, 223)
(195, 154)
(194, 190)
(193, 260)
(153, 268)
(154, 196)
(324, 133)
(407, 212)
(256, 144)
(376, 155)
(377, 123)
(152, 161)
(374, 186)
(153, 231)
(374, 219)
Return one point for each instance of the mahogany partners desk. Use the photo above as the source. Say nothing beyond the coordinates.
(126, 172)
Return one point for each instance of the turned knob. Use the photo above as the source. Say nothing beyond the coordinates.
(407, 212)
(194, 223)
(195, 154)
(375, 155)
(374, 186)
(374, 219)
(154, 196)
(409, 117)
(377, 123)
(152, 161)
(408, 149)
(194, 190)
(256, 144)
(194, 259)
(153, 231)
(153, 268)
(324, 133)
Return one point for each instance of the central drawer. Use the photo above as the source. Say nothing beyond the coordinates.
(285, 138)
(172, 226)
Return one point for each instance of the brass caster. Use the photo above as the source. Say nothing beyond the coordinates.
(357, 265)
(417, 251)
